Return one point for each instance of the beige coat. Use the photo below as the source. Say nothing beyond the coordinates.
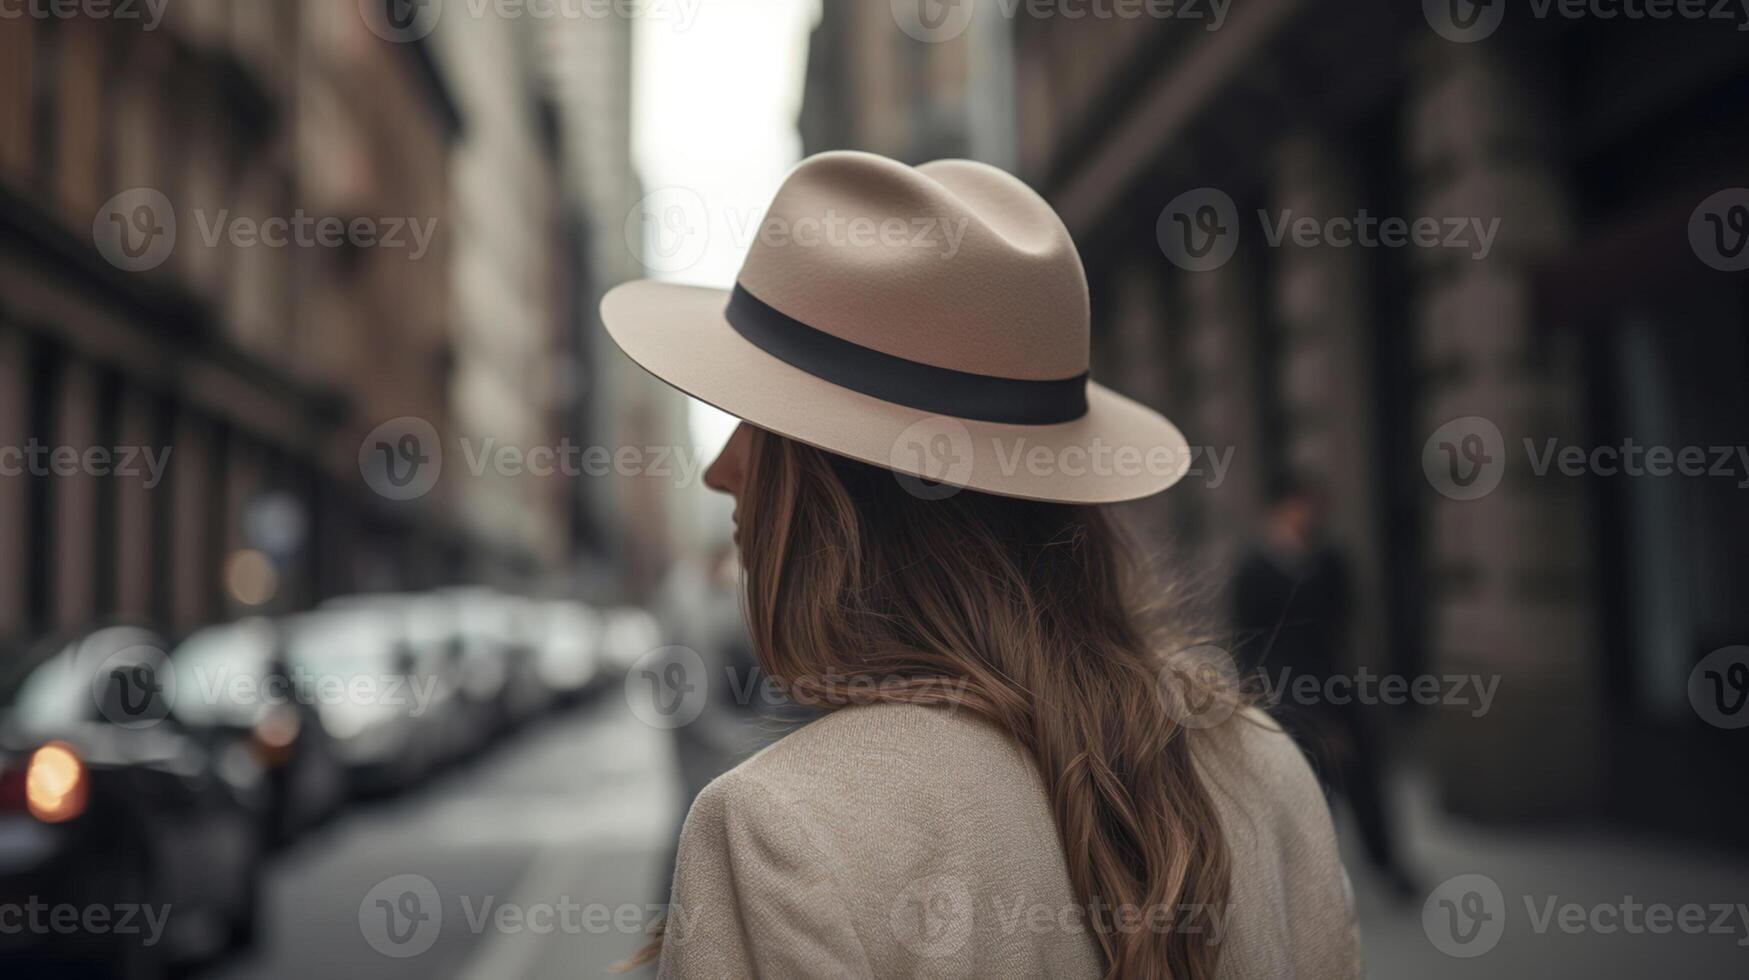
(903, 841)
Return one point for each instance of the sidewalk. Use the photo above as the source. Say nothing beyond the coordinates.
(1589, 904)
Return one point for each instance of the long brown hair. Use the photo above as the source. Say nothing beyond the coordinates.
(1025, 608)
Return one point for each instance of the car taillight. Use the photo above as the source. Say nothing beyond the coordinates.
(55, 783)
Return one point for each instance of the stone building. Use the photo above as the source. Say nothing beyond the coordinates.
(911, 91)
(1594, 311)
(511, 262)
(630, 530)
(229, 237)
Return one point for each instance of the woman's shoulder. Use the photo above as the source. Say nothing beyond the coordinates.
(1289, 888)
(882, 754)
(1251, 737)
(884, 795)
(886, 754)
(1253, 764)
(878, 840)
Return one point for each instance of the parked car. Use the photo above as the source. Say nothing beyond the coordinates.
(233, 678)
(498, 649)
(368, 695)
(528, 695)
(426, 639)
(568, 646)
(110, 803)
(628, 633)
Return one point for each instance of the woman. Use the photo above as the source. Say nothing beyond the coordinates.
(1011, 779)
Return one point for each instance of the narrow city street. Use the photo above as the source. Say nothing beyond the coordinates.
(545, 855)
(437, 438)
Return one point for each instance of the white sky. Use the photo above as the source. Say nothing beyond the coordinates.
(715, 91)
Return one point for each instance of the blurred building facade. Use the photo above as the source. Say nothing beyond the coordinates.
(255, 371)
(511, 261)
(1591, 321)
(633, 522)
(872, 86)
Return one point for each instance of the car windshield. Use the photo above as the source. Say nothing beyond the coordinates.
(52, 691)
(220, 670)
(343, 642)
(63, 687)
(342, 659)
(429, 621)
(570, 626)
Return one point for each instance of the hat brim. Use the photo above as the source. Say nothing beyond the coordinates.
(1120, 450)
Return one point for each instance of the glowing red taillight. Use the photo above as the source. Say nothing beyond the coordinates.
(56, 786)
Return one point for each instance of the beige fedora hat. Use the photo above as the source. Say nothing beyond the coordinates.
(932, 320)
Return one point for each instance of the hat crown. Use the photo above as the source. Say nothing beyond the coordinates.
(953, 264)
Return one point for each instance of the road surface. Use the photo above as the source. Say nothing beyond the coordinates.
(542, 858)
